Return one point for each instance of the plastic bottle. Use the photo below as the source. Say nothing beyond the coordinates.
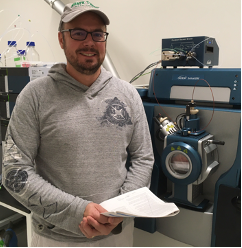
(31, 53)
(10, 238)
(2, 243)
(10, 54)
(1, 63)
(20, 58)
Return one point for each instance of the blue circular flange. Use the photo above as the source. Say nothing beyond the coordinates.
(196, 162)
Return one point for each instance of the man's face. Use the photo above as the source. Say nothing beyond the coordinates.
(84, 56)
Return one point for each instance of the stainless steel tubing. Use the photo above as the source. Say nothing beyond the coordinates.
(58, 6)
(108, 65)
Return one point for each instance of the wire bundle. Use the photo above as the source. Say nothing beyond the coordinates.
(142, 72)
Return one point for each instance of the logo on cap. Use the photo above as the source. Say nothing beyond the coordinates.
(83, 3)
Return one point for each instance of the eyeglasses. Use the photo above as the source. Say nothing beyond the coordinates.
(81, 34)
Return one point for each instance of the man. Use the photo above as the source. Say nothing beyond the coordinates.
(68, 139)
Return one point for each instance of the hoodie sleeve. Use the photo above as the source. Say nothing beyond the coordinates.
(140, 151)
(19, 177)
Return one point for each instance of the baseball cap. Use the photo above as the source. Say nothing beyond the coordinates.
(72, 10)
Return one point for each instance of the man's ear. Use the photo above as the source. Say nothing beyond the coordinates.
(61, 39)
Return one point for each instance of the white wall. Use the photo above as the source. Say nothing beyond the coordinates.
(136, 29)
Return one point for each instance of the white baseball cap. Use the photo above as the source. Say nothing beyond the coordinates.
(72, 10)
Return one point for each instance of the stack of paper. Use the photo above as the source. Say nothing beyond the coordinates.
(139, 203)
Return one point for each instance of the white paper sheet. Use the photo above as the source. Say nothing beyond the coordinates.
(139, 203)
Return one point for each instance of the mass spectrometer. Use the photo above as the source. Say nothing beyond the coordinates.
(194, 119)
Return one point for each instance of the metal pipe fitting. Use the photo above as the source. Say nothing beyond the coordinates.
(57, 5)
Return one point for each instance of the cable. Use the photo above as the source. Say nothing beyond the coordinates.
(47, 43)
(9, 27)
(141, 76)
(24, 29)
(180, 116)
(199, 43)
(156, 97)
(142, 72)
(198, 61)
(196, 46)
(213, 102)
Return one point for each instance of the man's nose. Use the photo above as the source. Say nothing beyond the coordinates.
(89, 39)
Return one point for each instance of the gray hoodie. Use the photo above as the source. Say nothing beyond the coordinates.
(67, 145)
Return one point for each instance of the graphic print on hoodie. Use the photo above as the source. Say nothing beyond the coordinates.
(116, 113)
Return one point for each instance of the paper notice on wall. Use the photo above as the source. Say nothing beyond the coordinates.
(36, 72)
(139, 203)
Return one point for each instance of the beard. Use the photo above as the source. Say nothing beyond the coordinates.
(87, 67)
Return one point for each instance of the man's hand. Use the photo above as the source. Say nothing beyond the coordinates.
(96, 224)
(94, 210)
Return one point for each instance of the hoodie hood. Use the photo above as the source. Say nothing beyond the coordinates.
(58, 73)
